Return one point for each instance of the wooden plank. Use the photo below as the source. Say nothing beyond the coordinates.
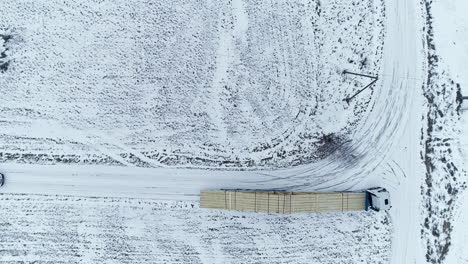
(329, 202)
(273, 203)
(261, 202)
(282, 202)
(304, 203)
(287, 203)
(356, 201)
(231, 200)
(245, 201)
(212, 199)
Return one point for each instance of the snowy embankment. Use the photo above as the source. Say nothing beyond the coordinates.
(50, 229)
(446, 141)
(187, 84)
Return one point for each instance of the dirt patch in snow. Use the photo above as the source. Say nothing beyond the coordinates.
(445, 177)
(4, 59)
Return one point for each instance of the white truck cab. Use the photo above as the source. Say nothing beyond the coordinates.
(378, 199)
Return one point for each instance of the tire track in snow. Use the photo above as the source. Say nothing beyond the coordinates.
(370, 145)
(383, 126)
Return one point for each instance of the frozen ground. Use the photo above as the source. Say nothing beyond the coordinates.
(185, 83)
(99, 230)
(176, 87)
(450, 28)
(240, 84)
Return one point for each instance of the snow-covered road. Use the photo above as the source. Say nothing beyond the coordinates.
(131, 182)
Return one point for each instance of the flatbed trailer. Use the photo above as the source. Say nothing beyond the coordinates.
(284, 202)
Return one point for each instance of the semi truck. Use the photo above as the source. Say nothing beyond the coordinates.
(286, 202)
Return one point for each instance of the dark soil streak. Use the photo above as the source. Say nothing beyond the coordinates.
(443, 181)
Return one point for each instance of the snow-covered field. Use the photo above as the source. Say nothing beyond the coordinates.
(222, 95)
(185, 83)
(199, 84)
(45, 229)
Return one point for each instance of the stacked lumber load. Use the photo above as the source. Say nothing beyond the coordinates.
(283, 202)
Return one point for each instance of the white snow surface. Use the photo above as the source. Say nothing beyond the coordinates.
(451, 24)
(49, 229)
(184, 83)
(243, 85)
(451, 38)
(145, 85)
